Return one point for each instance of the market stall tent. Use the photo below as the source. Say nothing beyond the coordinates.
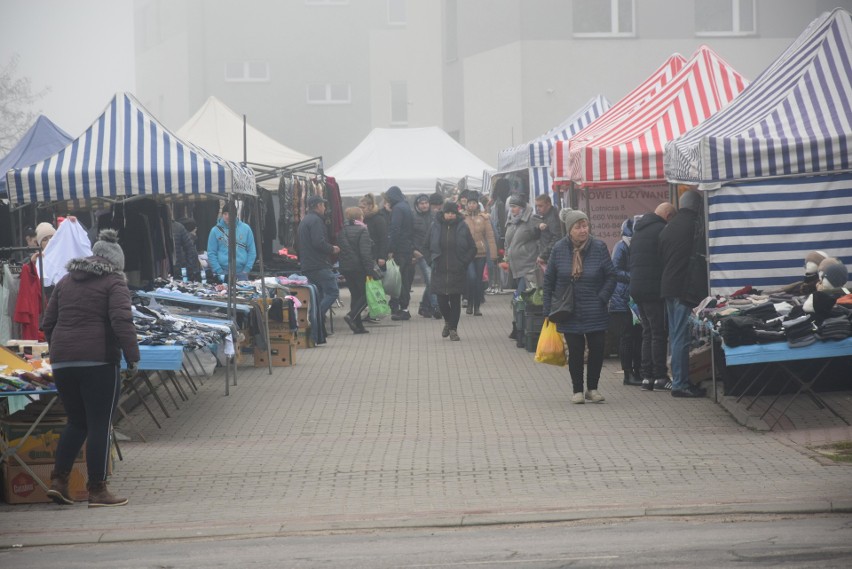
(127, 152)
(41, 140)
(626, 106)
(535, 156)
(776, 164)
(219, 129)
(411, 158)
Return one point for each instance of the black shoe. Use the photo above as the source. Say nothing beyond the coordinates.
(370, 320)
(401, 315)
(477, 312)
(663, 384)
(469, 310)
(446, 331)
(689, 391)
(425, 312)
(436, 314)
(647, 385)
(351, 323)
(630, 379)
(362, 331)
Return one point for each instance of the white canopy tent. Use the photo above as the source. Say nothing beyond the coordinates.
(219, 129)
(412, 158)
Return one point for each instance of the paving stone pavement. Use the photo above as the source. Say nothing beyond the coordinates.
(401, 428)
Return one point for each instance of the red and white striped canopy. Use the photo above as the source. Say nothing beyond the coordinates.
(631, 149)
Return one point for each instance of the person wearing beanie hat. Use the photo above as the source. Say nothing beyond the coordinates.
(436, 199)
(217, 245)
(450, 249)
(401, 249)
(583, 262)
(422, 221)
(677, 241)
(89, 325)
(521, 248)
(44, 231)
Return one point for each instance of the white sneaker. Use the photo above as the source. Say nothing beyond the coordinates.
(578, 398)
(593, 396)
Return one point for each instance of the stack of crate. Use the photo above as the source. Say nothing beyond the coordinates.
(282, 344)
(533, 322)
(303, 293)
(38, 451)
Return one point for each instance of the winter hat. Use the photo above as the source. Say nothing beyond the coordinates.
(571, 216)
(450, 207)
(436, 199)
(314, 201)
(516, 199)
(834, 272)
(229, 208)
(44, 230)
(812, 261)
(107, 247)
(421, 198)
(690, 199)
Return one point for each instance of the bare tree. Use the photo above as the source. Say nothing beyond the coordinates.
(16, 101)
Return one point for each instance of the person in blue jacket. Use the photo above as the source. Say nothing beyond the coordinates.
(629, 334)
(217, 246)
(583, 262)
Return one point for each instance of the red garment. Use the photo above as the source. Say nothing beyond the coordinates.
(28, 306)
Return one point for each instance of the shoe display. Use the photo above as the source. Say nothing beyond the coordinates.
(351, 323)
(689, 391)
(446, 331)
(663, 384)
(594, 396)
(647, 385)
(454, 336)
(578, 398)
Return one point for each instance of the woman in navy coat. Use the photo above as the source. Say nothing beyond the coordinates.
(585, 260)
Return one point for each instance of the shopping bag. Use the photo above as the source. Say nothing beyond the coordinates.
(392, 280)
(551, 345)
(376, 298)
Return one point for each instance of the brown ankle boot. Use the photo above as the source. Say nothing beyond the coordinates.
(59, 488)
(100, 496)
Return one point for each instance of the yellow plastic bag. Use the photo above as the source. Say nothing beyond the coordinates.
(551, 346)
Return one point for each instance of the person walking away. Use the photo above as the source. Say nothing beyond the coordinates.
(401, 247)
(581, 261)
(88, 323)
(217, 246)
(646, 273)
(677, 239)
(377, 225)
(629, 334)
(422, 222)
(356, 262)
(450, 251)
(314, 253)
(486, 248)
(521, 247)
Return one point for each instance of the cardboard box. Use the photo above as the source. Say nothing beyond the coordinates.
(302, 320)
(19, 487)
(700, 368)
(304, 340)
(303, 293)
(40, 446)
(283, 355)
(281, 333)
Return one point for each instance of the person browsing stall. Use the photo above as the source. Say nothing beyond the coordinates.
(315, 251)
(217, 246)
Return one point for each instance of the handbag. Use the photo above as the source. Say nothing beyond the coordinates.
(695, 286)
(563, 308)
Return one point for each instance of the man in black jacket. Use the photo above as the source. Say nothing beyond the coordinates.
(401, 247)
(422, 221)
(676, 245)
(646, 272)
(314, 252)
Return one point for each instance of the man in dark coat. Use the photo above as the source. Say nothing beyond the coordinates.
(423, 218)
(646, 272)
(549, 226)
(676, 244)
(186, 255)
(314, 252)
(401, 247)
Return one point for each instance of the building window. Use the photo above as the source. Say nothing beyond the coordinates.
(396, 12)
(329, 93)
(399, 102)
(725, 17)
(451, 38)
(604, 18)
(246, 71)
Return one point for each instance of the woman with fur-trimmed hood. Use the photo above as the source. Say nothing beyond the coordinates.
(88, 324)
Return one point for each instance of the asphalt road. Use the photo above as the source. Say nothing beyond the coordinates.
(694, 542)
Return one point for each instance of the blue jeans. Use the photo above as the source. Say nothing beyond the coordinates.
(678, 315)
(474, 282)
(428, 299)
(327, 289)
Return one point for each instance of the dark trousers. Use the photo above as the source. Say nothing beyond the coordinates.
(450, 305)
(629, 341)
(406, 271)
(654, 339)
(576, 350)
(357, 283)
(474, 292)
(89, 394)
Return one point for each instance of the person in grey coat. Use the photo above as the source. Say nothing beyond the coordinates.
(521, 246)
(583, 262)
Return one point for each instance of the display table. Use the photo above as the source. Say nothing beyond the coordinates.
(777, 357)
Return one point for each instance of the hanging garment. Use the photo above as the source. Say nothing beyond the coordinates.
(28, 305)
(70, 242)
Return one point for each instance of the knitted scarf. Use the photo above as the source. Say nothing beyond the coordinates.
(577, 265)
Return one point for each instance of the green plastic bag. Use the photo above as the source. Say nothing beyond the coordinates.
(392, 280)
(376, 299)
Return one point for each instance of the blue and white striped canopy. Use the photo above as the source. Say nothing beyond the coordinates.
(127, 152)
(536, 154)
(795, 119)
(761, 231)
